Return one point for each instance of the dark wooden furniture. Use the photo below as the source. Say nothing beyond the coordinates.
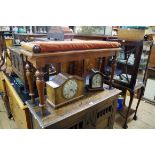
(93, 37)
(95, 110)
(28, 37)
(18, 64)
(137, 81)
(39, 60)
(3, 49)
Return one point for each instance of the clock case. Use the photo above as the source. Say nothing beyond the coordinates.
(54, 89)
(89, 78)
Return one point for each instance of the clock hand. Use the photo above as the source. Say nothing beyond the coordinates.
(72, 90)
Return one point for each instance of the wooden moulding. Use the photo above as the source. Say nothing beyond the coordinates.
(131, 34)
(63, 103)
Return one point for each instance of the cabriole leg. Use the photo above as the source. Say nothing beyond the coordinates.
(113, 67)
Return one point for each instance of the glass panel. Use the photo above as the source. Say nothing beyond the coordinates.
(90, 30)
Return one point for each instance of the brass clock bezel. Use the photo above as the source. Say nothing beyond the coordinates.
(63, 88)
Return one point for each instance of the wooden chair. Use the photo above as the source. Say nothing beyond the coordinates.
(134, 83)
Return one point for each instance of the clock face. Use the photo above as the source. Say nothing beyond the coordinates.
(97, 81)
(70, 89)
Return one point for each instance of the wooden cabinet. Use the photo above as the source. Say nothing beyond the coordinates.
(19, 111)
(95, 110)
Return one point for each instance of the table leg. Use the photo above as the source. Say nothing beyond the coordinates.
(6, 100)
(40, 87)
(125, 126)
(29, 76)
(113, 67)
(2, 61)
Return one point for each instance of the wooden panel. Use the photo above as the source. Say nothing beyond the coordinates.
(50, 94)
(9, 42)
(65, 67)
(89, 64)
(131, 34)
(18, 114)
(1, 84)
(18, 64)
(152, 57)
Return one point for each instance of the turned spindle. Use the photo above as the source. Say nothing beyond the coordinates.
(29, 76)
(40, 87)
(113, 66)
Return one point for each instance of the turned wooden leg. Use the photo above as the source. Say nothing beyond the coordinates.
(29, 76)
(113, 67)
(124, 95)
(125, 126)
(40, 87)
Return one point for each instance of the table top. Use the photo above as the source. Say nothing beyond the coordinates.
(87, 102)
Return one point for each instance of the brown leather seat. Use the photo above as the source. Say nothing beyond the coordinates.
(53, 46)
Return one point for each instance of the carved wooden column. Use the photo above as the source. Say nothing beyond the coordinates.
(113, 67)
(40, 87)
(29, 76)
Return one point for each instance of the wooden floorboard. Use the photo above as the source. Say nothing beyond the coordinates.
(5, 122)
(146, 115)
